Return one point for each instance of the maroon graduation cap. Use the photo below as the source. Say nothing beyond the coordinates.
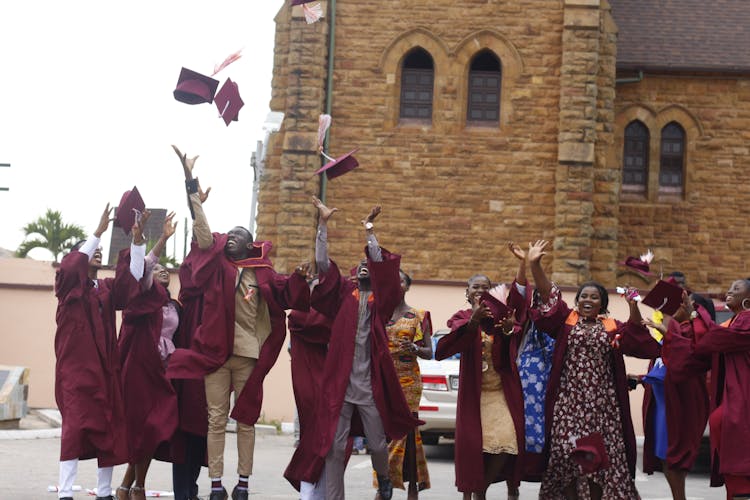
(499, 311)
(665, 297)
(339, 166)
(195, 88)
(131, 207)
(640, 265)
(590, 453)
(229, 102)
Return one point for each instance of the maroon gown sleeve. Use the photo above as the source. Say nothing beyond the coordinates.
(679, 354)
(386, 282)
(205, 263)
(460, 339)
(726, 339)
(291, 291)
(636, 341)
(325, 295)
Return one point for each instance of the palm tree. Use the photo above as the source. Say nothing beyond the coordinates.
(51, 233)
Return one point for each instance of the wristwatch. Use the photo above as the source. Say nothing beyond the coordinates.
(369, 225)
(693, 314)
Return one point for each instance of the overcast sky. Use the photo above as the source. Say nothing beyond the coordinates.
(86, 106)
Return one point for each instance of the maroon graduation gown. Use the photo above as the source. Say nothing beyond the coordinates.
(635, 341)
(191, 393)
(310, 333)
(728, 348)
(468, 458)
(687, 406)
(150, 399)
(88, 389)
(335, 296)
(213, 340)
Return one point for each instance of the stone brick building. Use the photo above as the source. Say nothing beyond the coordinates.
(606, 127)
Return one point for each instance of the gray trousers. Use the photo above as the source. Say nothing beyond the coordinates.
(336, 457)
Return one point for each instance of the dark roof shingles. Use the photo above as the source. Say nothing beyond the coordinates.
(683, 34)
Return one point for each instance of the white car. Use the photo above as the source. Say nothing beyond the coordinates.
(439, 395)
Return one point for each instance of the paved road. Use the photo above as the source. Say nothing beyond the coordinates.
(28, 466)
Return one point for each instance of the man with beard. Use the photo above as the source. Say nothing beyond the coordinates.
(359, 376)
(242, 331)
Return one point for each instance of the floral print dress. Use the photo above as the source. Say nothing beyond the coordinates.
(587, 403)
(408, 327)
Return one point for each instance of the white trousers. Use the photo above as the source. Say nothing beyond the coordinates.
(68, 471)
(314, 491)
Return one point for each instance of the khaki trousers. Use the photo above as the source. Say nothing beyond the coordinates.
(233, 373)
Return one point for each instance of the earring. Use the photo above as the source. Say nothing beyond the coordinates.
(743, 304)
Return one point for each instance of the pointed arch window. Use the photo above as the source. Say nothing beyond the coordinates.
(635, 157)
(417, 81)
(672, 158)
(485, 75)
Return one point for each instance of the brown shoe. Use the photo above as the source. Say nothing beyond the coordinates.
(137, 493)
(122, 493)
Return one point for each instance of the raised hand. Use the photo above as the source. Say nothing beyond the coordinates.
(104, 221)
(324, 212)
(537, 250)
(656, 326)
(373, 214)
(516, 250)
(138, 225)
(187, 163)
(169, 227)
(303, 269)
(202, 195)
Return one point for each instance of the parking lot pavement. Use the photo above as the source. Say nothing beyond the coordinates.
(28, 466)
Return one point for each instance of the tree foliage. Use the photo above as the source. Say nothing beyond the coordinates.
(50, 232)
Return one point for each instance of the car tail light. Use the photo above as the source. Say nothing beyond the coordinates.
(428, 408)
(434, 382)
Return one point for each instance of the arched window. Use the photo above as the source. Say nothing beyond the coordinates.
(672, 158)
(635, 157)
(417, 77)
(485, 75)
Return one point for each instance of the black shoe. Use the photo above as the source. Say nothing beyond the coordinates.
(219, 495)
(239, 494)
(109, 497)
(385, 488)
(65, 498)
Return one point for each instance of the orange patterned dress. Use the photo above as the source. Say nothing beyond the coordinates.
(411, 327)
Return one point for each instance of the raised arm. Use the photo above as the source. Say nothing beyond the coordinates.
(373, 248)
(321, 240)
(92, 242)
(534, 257)
(138, 247)
(196, 198)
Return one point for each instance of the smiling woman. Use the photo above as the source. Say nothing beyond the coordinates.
(587, 394)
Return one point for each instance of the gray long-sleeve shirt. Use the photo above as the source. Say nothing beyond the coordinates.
(359, 390)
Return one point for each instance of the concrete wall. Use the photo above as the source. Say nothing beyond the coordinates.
(27, 332)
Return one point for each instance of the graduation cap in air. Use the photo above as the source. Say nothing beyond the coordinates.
(665, 297)
(129, 210)
(312, 12)
(335, 166)
(196, 88)
(640, 265)
(590, 454)
(229, 102)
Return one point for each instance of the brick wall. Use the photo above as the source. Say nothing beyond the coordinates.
(453, 194)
